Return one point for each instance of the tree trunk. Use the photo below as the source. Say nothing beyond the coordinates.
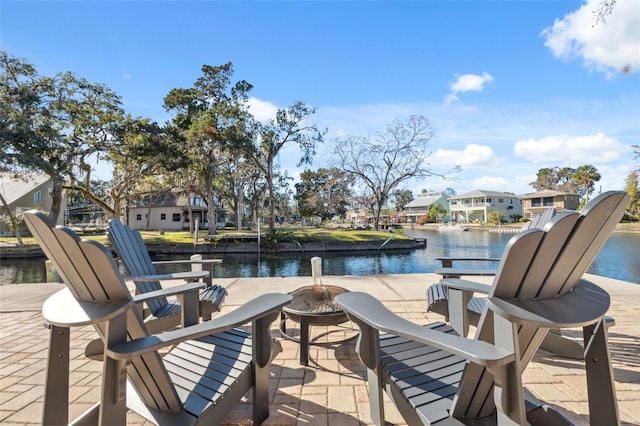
(148, 213)
(211, 213)
(56, 199)
(190, 212)
(272, 228)
(239, 213)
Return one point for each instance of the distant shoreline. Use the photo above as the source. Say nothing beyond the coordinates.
(629, 227)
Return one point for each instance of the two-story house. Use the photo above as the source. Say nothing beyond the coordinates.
(25, 191)
(475, 206)
(535, 203)
(420, 205)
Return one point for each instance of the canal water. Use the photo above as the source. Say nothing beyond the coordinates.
(619, 259)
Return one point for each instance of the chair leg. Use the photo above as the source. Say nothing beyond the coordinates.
(261, 348)
(113, 401)
(557, 344)
(375, 397)
(603, 404)
(56, 390)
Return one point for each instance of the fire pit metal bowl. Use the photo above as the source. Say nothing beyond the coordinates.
(316, 302)
(312, 305)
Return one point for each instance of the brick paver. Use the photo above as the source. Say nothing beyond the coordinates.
(330, 391)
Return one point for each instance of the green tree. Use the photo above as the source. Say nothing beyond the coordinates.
(383, 162)
(53, 125)
(556, 179)
(289, 127)
(325, 192)
(436, 212)
(214, 124)
(631, 187)
(80, 208)
(585, 178)
(495, 217)
(235, 186)
(402, 197)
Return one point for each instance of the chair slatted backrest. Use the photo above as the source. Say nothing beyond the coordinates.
(91, 275)
(540, 220)
(131, 250)
(549, 262)
(539, 264)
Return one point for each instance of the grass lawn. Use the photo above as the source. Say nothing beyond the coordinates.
(284, 234)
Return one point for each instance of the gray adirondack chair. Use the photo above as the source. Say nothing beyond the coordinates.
(133, 254)
(208, 368)
(438, 296)
(435, 376)
(449, 271)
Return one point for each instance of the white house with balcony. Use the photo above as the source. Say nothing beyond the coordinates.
(475, 206)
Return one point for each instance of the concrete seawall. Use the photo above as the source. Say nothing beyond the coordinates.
(11, 251)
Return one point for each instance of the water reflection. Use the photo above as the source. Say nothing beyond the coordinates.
(618, 259)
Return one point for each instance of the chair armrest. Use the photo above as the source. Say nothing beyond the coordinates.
(585, 305)
(187, 261)
(255, 309)
(165, 292)
(466, 285)
(370, 311)
(62, 309)
(449, 272)
(447, 262)
(188, 275)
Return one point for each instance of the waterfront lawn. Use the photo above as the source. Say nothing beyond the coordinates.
(283, 234)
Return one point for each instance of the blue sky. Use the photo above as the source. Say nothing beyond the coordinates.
(510, 86)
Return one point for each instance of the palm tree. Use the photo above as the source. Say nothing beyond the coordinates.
(585, 178)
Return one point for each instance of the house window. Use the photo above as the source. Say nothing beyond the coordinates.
(36, 197)
(176, 217)
(548, 201)
(501, 200)
(536, 202)
(163, 216)
(138, 217)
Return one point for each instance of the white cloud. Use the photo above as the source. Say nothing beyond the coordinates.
(127, 76)
(607, 45)
(262, 110)
(570, 150)
(496, 183)
(472, 156)
(470, 82)
(467, 83)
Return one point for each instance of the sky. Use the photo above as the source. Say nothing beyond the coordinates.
(509, 86)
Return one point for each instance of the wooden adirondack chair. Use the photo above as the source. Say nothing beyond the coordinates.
(132, 252)
(434, 375)
(210, 366)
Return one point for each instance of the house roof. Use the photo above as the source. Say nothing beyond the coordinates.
(482, 193)
(13, 186)
(545, 193)
(424, 201)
